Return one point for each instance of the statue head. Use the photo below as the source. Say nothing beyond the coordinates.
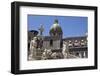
(34, 38)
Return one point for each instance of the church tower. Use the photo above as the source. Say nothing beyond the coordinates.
(56, 34)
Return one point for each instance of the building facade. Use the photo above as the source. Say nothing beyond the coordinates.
(76, 46)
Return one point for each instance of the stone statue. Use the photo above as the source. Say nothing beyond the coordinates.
(65, 50)
(41, 29)
(46, 54)
(33, 48)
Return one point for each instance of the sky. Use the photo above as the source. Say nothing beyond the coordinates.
(71, 25)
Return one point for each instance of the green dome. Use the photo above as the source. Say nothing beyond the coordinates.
(56, 29)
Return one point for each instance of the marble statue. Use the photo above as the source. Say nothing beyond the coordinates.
(33, 48)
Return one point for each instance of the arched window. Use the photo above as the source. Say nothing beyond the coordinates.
(61, 43)
(51, 42)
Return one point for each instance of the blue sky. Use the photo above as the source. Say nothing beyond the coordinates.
(71, 25)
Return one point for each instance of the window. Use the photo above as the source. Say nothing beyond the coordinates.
(51, 42)
(61, 44)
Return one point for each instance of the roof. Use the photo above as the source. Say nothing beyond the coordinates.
(33, 32)
(75, 38)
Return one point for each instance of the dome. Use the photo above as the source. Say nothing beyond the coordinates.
(55, 29)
